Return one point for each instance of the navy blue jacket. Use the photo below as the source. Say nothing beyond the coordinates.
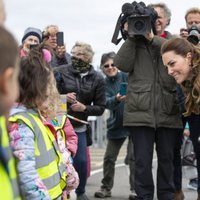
(115, 129)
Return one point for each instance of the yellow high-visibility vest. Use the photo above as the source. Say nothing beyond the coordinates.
(60, 126)
(8, 176)
(49, 161)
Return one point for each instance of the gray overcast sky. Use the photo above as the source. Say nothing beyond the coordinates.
(91, 21)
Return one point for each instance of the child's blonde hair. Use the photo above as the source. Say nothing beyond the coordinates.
(54, 101)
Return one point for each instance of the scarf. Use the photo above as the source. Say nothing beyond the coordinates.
(79, 65)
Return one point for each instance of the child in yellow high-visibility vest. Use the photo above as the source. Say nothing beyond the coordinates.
(9, 69)
(41, 166)
(54, 112)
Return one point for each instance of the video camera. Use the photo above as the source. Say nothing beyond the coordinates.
(194, 35)
(141, 19)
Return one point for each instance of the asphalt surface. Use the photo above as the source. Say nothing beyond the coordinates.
(121, 189)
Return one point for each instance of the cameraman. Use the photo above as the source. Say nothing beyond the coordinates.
(192, 18)
(151, 112)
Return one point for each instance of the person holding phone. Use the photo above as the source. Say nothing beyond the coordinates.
(55, 40)
(116, 83)
(32, 37)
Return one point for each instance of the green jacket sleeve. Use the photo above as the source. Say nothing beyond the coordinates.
(125, 56)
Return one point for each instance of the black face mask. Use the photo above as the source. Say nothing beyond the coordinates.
(79, 65)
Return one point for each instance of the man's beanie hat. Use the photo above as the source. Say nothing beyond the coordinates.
(32, 31)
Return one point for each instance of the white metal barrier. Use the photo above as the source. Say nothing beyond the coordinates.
(99, 129)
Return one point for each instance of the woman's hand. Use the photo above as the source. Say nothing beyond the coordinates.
(120, 98)
(71, 97)
(78, 107)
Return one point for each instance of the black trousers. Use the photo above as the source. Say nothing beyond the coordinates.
(177, 161)
(194, 124)
(144, 139)
(177, 158)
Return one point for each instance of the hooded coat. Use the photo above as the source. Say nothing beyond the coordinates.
(151, 98)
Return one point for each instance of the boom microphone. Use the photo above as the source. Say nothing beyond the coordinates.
(127, 9)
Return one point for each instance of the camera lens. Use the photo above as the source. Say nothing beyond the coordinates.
(193, 35)
(139, 25)
(193, 39)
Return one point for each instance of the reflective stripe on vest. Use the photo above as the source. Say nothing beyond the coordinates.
(61, 126)
(49, 162)
(8, 180)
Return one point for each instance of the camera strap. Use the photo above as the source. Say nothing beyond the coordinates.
(116, 32)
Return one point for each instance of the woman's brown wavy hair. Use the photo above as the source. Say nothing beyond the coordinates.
(34, 77)
(191, 87)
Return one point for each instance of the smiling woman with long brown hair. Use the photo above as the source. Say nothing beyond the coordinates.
(182, 60)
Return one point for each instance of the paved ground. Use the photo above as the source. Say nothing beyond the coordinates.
(121, 185)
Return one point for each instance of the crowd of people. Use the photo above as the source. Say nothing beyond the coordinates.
(151, 88)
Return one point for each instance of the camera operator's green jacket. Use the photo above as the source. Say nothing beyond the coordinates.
(151, 98)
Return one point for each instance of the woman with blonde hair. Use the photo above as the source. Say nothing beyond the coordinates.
(85, 90)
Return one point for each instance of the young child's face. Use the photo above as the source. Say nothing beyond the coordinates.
(9, 87)
(49, 107)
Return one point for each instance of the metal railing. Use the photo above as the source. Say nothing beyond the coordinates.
(99, 129)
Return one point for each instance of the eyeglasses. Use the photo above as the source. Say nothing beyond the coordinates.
(109, 65)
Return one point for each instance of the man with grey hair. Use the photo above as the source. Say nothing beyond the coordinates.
(163, 20)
